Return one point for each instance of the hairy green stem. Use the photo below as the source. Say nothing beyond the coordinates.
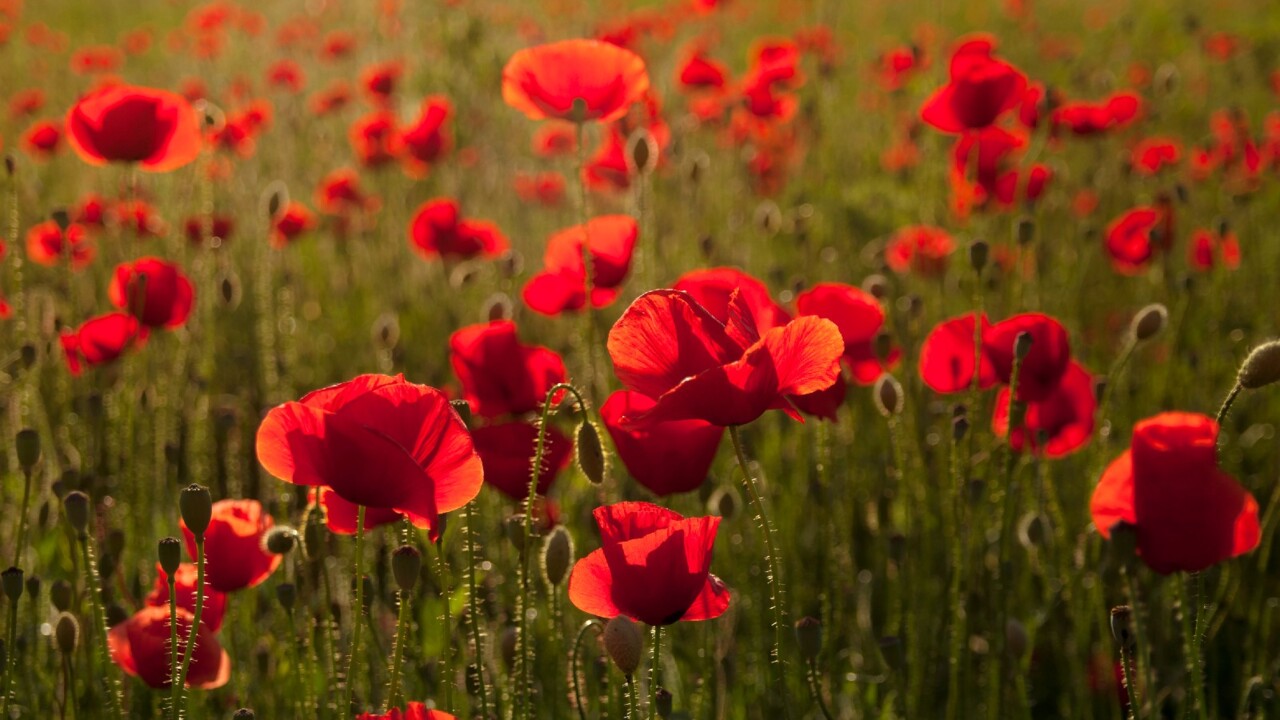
(473, 611)
(179, 697)
(1195, 673)
(114, 701)
(357, 623)
(173, 645)
(591, 624)
(397, 649)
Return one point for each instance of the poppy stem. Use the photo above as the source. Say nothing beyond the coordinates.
(958, 592)
(1138, 656)
(179, 687)
(94, 589)
(655, 669)
(358, 621)
(574, 674)
(1226, 405)
(588, 309)
(633, 701)
(1190, 650)
(10, 656)
(473, 611)
(173, 644)
(397, 649)
(774, 577)
(815, 691)
(22, 516)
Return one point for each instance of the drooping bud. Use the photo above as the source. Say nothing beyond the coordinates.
(887, 394)
(66, 632)
(33, 587)
(979, 253)
(1022, 344)
(809, 637)
(590, 452)
(1262, 367)
(60, 594)
(624, 643)
(196, 506)
(11, 579)
(170, 552)
(280, 540)
(557, 556)
(406, 567)
(27, 444)
(76, 507)
(1122, 627)
(1148, 322)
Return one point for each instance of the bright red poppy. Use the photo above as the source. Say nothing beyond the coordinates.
(602, 79)
(100, 340)
(235, 557)
(340, 193)
(412, 711)
(712, 288)
(1086, 118)
(1046, 362)
(507, 451)
(140, 647)
(438, 230)
(1211, 249)
(293, 221)
(379, 80)
(375, 138)
(1187, 513)
(341, 516)
(427, 138)
(43, 139)
(139, 218)
(664, 457)
(544, 188)
(1065, 417)
(561, 285)
(948, 353)
(499, 374)
(860, 318)
(48, 244)
(653, 566)
(700, 72)
(921, 249)
(1154, 154)
(1129, 243)
(377, 441)
(981, 88)
(215, 602)
(153, 290)
(123, 123)
(196, 227)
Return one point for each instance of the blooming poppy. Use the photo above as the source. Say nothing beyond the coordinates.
(507, 451)
(286, 75)
(1064, 417)
(1187, 513)
(90, 211)
(1154, 154)
(608, 169)
(153, 290)
(427, 138)
(664, 457)
(555, 139)
(140, 646)
(48, 244)
(215, 602)
(412, 711)
(377, 441)
(1129, 242)
(948, 353)
(437, 230)
(499, 374)
(1212, 249)
(100, 340)
(235, 557)
(895, 66)
(331, 99)
(26, 102)
(700, 72)
(546, 188)
(561, 285)
(380, 80)
(339, 193)
(712, 288)
(669, 348)
(140, 218)
(1045, 363)
(196, 226)
(981, 88)
(293, 221)
(42, 139)
(860, 318)
(922, 249)
(1085, 118)
(124, 123)
(341, 517)
(576, 80)
(375, 138)
(653, 566)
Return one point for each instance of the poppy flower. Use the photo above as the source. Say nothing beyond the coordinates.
(412, 711)
(26, 102)
(90, 211)
(561, 285)
(555, 139)
(1046, 362)
(166, 294)
(507, 451)
(713, 288)
(981, 88)
(775, 61)
(380, 80)
(339, 193)
(196, 226)
(1129, 242)
(1212, 249)
(375, 138)
(42, 139)
(607, 169)
(1065, 417)
(547, 81)
(1154, 154)
(948, 352)
(295, 220)
(140, 647)
(664, 457)
(331, 99)
(860, 318)
(140, 218)
(235, 557)
(1187, 513)
(499, 374)
(377, 441)
(700, 72)
(48, 244)
(1094, 118)
(653, 566)
(437, 230)
(341, 517)
(894, 67)
(215, 603)
(545, 188)
(125, 123)
(100, 340)
(922, 249)
(286, 75)
(427, 139)
(669, 348)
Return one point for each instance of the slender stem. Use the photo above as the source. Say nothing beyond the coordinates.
(655, 669)
(815, 692)
(1227, 403)
(588, 310)
(173, 646)
(10, 656)
(958, 591)
(592, 624)
(100, 628)
(442, 568)
(473, 610)
(397, 649)
(1127, 675)
(633, 701)
(22, 517)
(358, 621)
(1195, 677)
(1141, 655)
(193, 633)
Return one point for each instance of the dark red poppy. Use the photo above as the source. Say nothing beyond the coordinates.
(377, 441)
(100, 340)
(1065, 417)
(235, 556)
(286, 75)
(507, 451)
(860, 318)
(561, 285)
(380, 80)
(341, 517)
(545, 81)
(375, 138)
(91, 211)
(43, 139)
(948, 353)
(712, 288)
(140, 647)
(921, 249)
(545, 188)
(154, 291)
(295, 220)
(668, 347)
(124, 123)
(986, 155)
(48, 244)
(701, 72)
(555, 139)
(499, 374)
(775, 61)
(427, 138)
(981, 88)
(1045, 364)
(437, 230)
(339, 193)
(1086, 118)
(412, 711)
(331, 99)
(1129, 243)
(196, 228)
(653, 566)
(665, 457)
(215, 603)
(1211, 249)
(1154, 154)
(1188, 514)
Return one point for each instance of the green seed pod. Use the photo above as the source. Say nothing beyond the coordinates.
(170, 552)
(66, 632)
(60, 594)
(1122, 627)
(1262, 367)
(76, 507)
(280, 540)
(887, 394)
(196, 506)
(27, 444)
(624, 643)
(406, 567)
(1148, 322)
(590, 452)
(11, 579)
(809, 637)
(557, 556)
(313, 534)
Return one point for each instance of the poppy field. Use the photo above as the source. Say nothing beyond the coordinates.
(681, 359)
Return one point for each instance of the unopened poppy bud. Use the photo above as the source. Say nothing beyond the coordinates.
(1022, 344)
(1025, 231)
(313, 534)
(511, 263)
(386, 331)
(11, 579)
(243, 714)
(27, 443)
(275, 197)
(697, 167)
(883, 346)
(590, 452)
(497, 306)
(1224, 226)
(768, 217)
(557, 556)
(1122, 627)
(959, 428)
(76, 507)
(66, 632)
(624, 643)
(10, 165)
(28, 355)
(513, 526)
(280, 540)
(33, 587)
(287, 595)
(1167, 78)
(61, 218)
(723, 503)
(663, 701)
(1262, 367)
(1124, 541)
(196, 506)
(1148, 322)
(406, 566)
(979, 254)
(1031, 530)
(809, 637)
(1015, 638)
(60, 594)
(876, 285)
(116, 614)
(107, 564)
(170, 553)
(507, 644)
(642, 152)
(887, 394)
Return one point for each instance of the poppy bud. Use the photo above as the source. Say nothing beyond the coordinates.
(33, 587)
(386, 331)
(979, 253)
(1122, 627)
(557, 556)
(1262, 367)
(287, 595)
(1148, 323)
(876, 285)
(624, 643)
(723, 503)
(1025, 231)
(27, 444)
(642, 152)
(28, 355)
(1167, 78)
(11, 579)
(280, 540)
(313, 533)
(61, 218)
(10, 165)
(513, 526)
(1031, 530)
(768, 217)
(511, 263)
(1015, 638)
(507, 644)
(406, 566)
(887, 395)
(497, 307)
(662, 701)
(211, 116)
(1022, 344)
(107, 564)
(697, 167)
(959, 428)
(590, 452)
(66, 631)
(196, 506)
(76, 507)
(1124, 541)
(1224, 226)
(60, 595)
(809, 637)
(1184, 195)
(883, 346)
(243, 714)
(275, 198)
(170, 553)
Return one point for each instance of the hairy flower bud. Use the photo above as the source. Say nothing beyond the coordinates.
(1122, 627)
(406, 566)
(809, 637)
(196, 506)
(1262, 367)
(66, 632)
(557, 556)
(280, 540)
(1148, 322)
(27, 445)
(590, 452)
(76, 507)
(624, 643)
(887, 394)
(170, 552)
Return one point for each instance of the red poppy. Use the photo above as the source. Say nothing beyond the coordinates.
(713, 288)
(775, 61)
(437, 230)
(546, 188)
(1129, 242)
(665, 457)
(546, 81)
(91, 211)
(561, 285)
(859, 317)
(380, 80)
(26, 102)
(339, 193)
(948, 353)
(921, 249)
(337, 44)
(295, 220)
(981, 88)
(608, 169)
(195, 228)
(1046, 362)
(286, 75)
(894, 67)
(124, 123)
(140, 218)
(341, 517)
(427, 139)
(1154, 154)
(555, 139)
(1065, 417)
(96, 59)
(1093, 118)
(1210, 249)
(331, 99)
(507, 451)
(412, 711)
(48, 244)
(42, 139)
(166, 294)
(235, 557)
(375, 138)
(985, 155)
(140, 646)
(700, 72)
(1187, 513)
(499, 374)
(377, 441)
(653, 566)
(100, 340)
(215, 603)
(668, 347)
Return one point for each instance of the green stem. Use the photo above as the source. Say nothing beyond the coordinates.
(815, 692)
(959, 565)
(1195, 677)
(655, 669)
(192, 634)
(588, 310)
(173, 646)
(473, 610)
(114, 701)
(633, 701)
(358, 621)
(22, 517)
(1226, 404)
(592, 624)
(1141, 656)
(10, 657)
(397, 649)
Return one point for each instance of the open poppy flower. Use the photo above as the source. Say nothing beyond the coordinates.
(546, 81)
(545, 188)
(293, 221)
(438, 230)
(125, 123)
(859, 317)
(42, 139)
(554, 139)
(1094, 118)
(982, 87)
(377, 441)
(1045, 364)
(561, 286)
(1065, 417)
(412, 711)
(947, 356)
(1154, 154)
(196, 227)
(499, 374)
(1210, 249)
(668, 347)
(1188, 514)
(1129, 243)
(427, 139)
(100, 340)
(713, 287)
(665, 457)
(153, 290)
(140, 647)
(235, 558)
(700, 72)
(375, 138)
(339, 193)
(921, 249)
(507, 451)
(653, 566)
(48, 244)
(342, 517)
(215, 602)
